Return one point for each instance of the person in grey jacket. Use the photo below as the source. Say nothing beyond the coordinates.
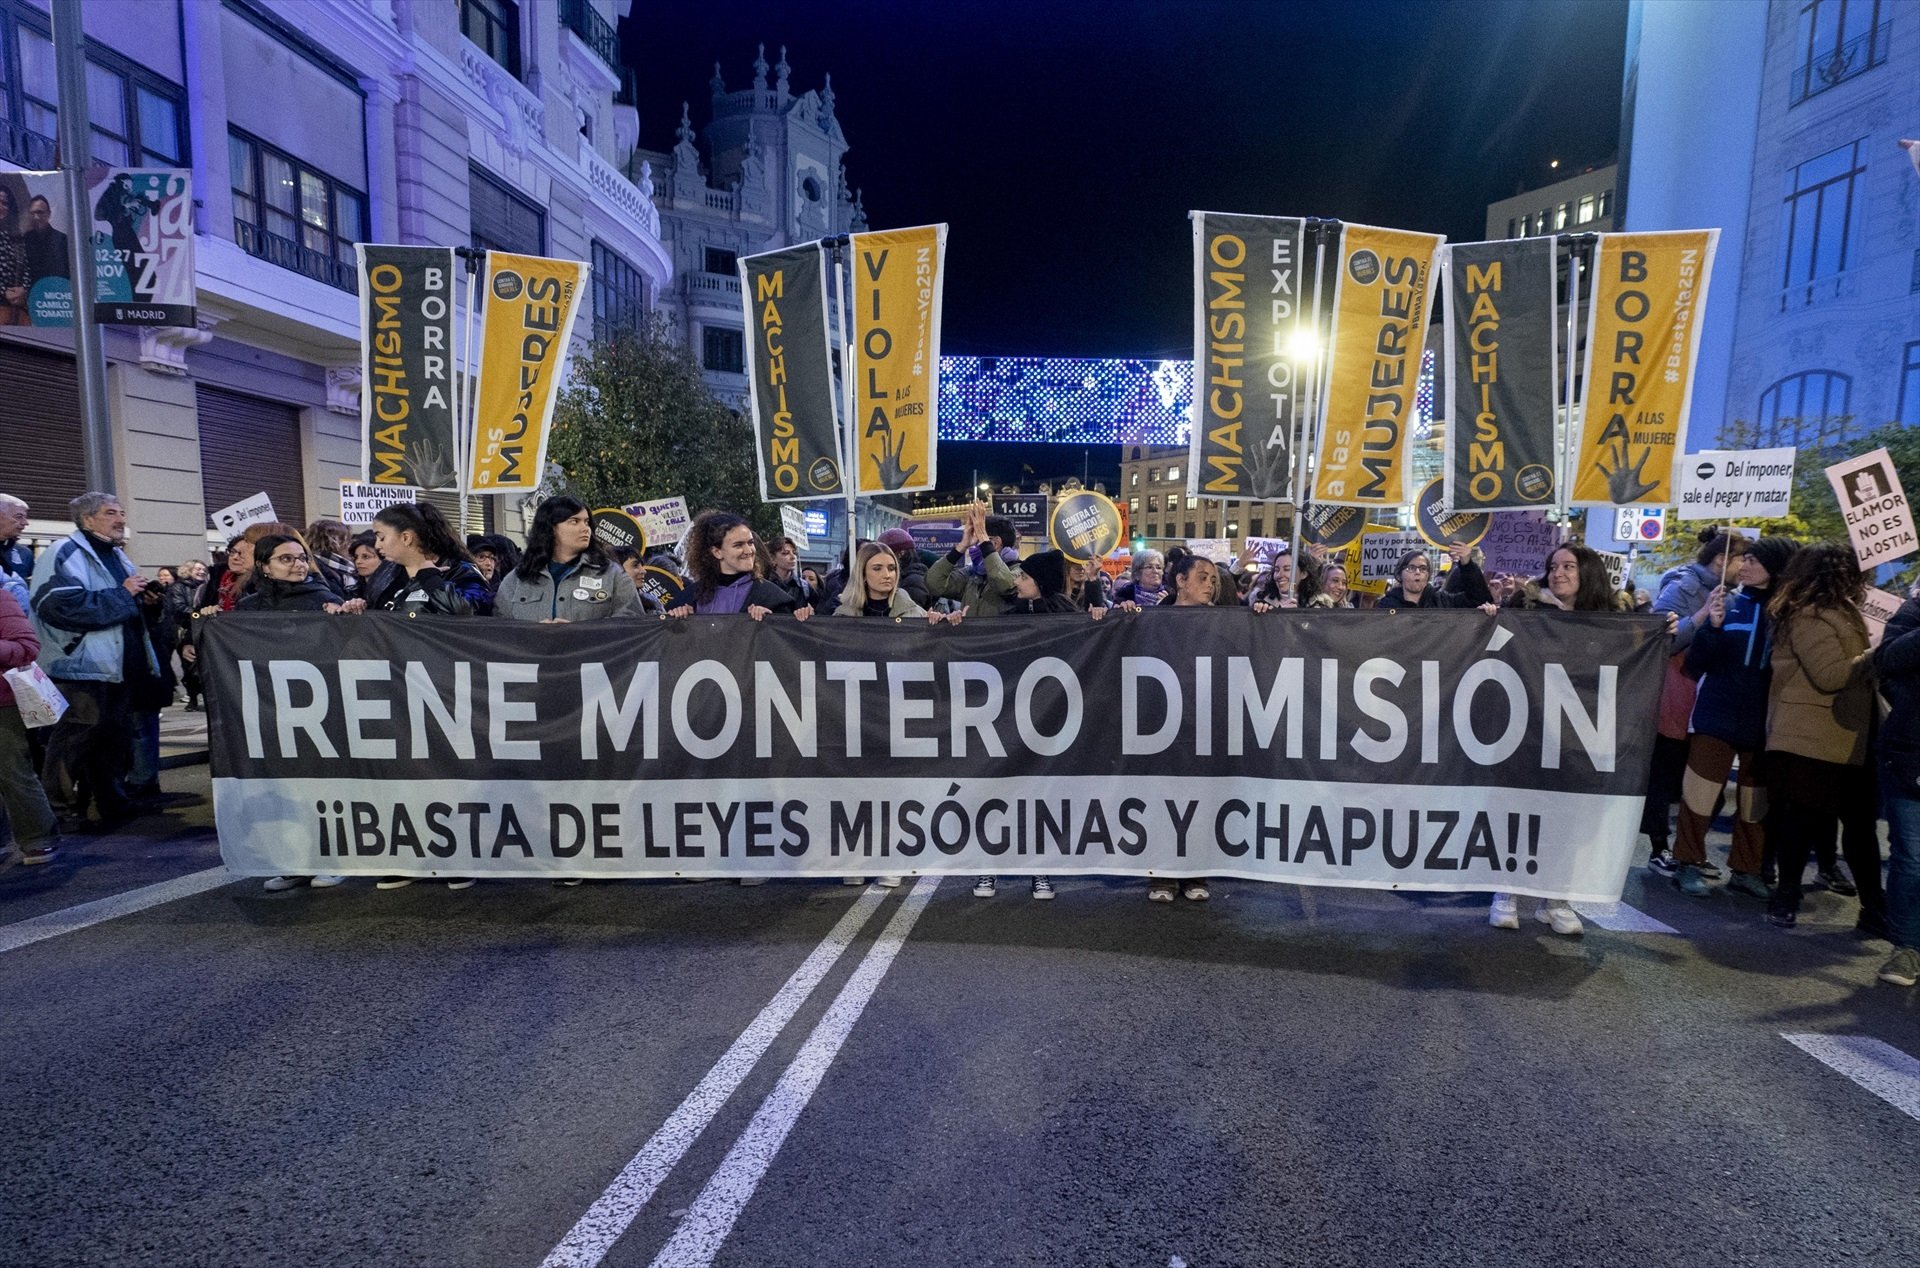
(564, 576)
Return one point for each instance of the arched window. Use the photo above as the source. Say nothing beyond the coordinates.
(1806, 409)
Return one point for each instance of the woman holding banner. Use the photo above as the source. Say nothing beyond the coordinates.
(564, 575)
(432, 572)
(724, 557)
(1146, 583)
(1820, 719)
(1413, 583)
(1195, 581)
(1276, 587)
(1731, 657)
(1576, 580)
(1330, 588)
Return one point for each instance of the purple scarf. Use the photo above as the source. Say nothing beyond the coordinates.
(977, 559)
(729, 597)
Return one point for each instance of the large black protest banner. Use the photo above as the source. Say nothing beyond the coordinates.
(1447, 751)
(790, 373)
(1503, 383)
(1249, 390)
(407, 430)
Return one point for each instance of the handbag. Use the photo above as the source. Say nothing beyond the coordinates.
(40, 702)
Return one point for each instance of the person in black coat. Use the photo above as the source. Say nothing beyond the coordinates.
(284, 580)
(1466, 584)
(725, 558)
(913, 569)
(1897, 661)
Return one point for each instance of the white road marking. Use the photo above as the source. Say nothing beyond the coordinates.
(1621, 918)
(614, 1211)
(1881, 1068)
(712, 1215)
(39, 928)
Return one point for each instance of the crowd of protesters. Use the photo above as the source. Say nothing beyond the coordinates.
(1771, 678)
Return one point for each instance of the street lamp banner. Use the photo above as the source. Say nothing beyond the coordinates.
(790, 374)
(1503, 377)
(897, 281)
(140, 234)
(1249, 280)
(1445, 751)
(408, 427)
(530, 306)
(1381, 297)
(1643, 340)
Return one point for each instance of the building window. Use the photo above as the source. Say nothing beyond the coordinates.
(1190, 532)
(1909, 408)
(1806, 409)
(1153, 503)
(1133, 508)
(720, 260)
(1560, 216)
(1258, 527)
(1173, 501)
(1839, 39)
(135, 115)
(723, 351)
(494, 25)
(619, 294)
(1586, 209)
(1133, 480)
(1820, 222)
(288, 214)
(502, 220)
(1173, 474)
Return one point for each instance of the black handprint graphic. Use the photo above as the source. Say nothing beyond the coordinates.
(887, 465)
(1625, 485)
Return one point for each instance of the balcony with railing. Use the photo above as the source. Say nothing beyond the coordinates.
(1835, 67)
(580, 17)
(1819, 290)
(25, 148)
(720, 290)
(296, 258)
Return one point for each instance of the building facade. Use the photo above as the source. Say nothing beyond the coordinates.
(310, 125)
(1153, 488)
(1581, 203)
(1779, 123)
(772, 175)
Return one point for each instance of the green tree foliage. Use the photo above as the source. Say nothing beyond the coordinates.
(637, 422)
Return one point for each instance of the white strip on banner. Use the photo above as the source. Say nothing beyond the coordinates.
(1361, 835)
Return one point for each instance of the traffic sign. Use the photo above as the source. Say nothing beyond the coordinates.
(1640, 524)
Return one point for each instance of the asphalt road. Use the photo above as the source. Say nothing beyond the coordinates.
(629, 1074)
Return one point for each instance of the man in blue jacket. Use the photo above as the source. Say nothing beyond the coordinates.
(94, 645)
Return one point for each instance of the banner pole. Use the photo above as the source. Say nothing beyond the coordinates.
(850, 444)
(1570, 444)
(468, 407)
(1310, 423)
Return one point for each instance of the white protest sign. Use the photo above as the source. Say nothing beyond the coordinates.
(1875, 508)
(1617, 565)
(359, 503)
(1518, 543)
(1723, 484)
(664, 520)
(793, 522)
(1878, 607)
(257, 509)
(1379, 554)
(1218, 549)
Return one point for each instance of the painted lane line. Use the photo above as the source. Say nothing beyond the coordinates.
(25, 933)
(1621, 918)
(712, 1215)
(1881, 1068)
(614, 1211)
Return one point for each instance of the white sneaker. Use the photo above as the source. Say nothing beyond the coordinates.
(1042, 888)
(983, 888)
(854, 880)
(278, 883)
(1505, 913)
(889, 882)
(1160, 891)
(327, 881)
(1561, 915)
(393, 882)
(461, 882)
(1195, 891)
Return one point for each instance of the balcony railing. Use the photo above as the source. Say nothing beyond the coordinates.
(1830, 286)
(291, 255)
(1859, 54)
(719, 288)
(580, 17)
(26, 148)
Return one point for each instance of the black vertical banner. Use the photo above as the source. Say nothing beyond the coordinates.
(790, 370)
(1503, 375)
(1249, 277)
(407, 426)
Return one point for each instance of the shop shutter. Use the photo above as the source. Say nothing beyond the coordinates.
(248, 445)
(44, 464)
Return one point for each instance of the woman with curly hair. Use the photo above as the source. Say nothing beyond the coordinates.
(1820, 715)
(727, 564)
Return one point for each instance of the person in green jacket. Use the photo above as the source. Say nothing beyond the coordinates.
(979, 571)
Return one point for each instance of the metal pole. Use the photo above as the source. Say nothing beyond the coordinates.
(850, 469)
(1570, 445)
(76, 150)
(465, 434)
(1310, 423)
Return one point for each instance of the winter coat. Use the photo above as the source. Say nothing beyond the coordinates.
(456, 591)
(985, 595)
(899, 607)
(1045, 603)
(1530, 598)
(1683, 592)
(796, 587)
(1734, 663)
(19, 645)
(1898, 664)
(80, 613)
(1820, 704)
(309, 594)
(587, 592)
(16, 569)
(1465, 587)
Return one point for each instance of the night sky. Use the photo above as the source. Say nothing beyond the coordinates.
(1064, 143)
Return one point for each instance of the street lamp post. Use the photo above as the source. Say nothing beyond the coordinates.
(76, 148)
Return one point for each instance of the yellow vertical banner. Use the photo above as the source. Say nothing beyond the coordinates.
(1382, 293)
(897, 276)
(530, 309)
(1643, 337)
